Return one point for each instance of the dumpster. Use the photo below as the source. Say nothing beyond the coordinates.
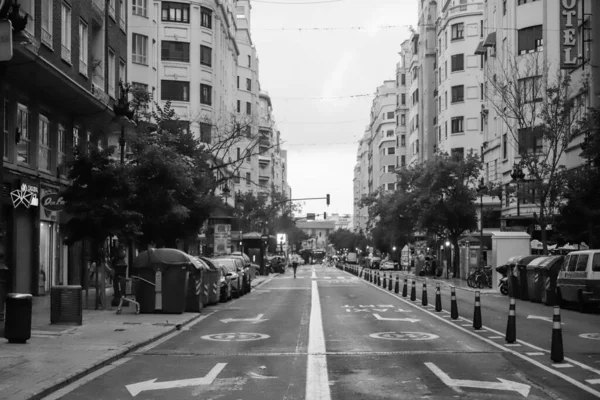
(194, 301)
(17, 328)
(517, 276)
(211, 286)
(534, 280)
(163, 275)
(549, 270)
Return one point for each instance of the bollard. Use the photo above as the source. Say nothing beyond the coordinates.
(378, 278)
(370, 276)
(511, 326)
(397, 286)
(391, 283)
(405, 288)
(556, 348)
(413, 292)
(438, 298)
(424, 294)
(477, 312)
(453, 303)
(384, 280)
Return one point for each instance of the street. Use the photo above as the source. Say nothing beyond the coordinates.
(330, 335)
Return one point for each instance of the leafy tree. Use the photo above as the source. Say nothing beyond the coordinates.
(346, 239)
(542, 115)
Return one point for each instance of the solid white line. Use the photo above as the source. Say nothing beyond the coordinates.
(495, 337)
(317, 379)
(80, 382)
(535, 353)
(562, 365)
(593, 381)
(513, 344)
(508, 350)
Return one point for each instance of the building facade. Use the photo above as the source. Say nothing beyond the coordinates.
(318, 233)
(58, 94)
(402, 79)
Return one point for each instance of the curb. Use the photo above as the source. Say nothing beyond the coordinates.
(121, 353)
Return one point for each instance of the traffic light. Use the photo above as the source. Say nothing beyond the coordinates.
(327, 198)
(325, 215)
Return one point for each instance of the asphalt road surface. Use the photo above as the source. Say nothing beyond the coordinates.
(331, 335)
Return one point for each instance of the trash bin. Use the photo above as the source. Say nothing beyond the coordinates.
(211, 290)
(549, 270)
(517, 276)
(194, 301)
(17, 328)
(164, 277)
(535, 283)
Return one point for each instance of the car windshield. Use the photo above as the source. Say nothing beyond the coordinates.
(228, 263)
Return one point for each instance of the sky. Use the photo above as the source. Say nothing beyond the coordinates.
(310, 75)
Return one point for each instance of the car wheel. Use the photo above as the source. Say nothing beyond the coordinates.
(581, 306)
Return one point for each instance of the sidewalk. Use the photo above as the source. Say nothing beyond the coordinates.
(57, 355)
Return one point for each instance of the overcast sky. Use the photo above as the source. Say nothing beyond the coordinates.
(302, 68)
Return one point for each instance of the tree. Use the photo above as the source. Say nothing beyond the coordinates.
(346, 239)
(579, 217)
(542, 115)
(442, 196)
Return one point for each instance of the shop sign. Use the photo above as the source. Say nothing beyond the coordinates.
(222, 239)
(51, 204)
(27, 195)
(568, 34)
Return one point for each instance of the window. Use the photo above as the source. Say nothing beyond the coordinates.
(83, 48)
(504, 146)
(205, 56)
(65, 36)
(205, 132)
(139, 50)
(206, 17)
(402, 161)
(236, 178)
(248, 178)
(111, 73)
(481, 28)
(239, 153)
(122, 71)
(62, 151)
(530, 141)
(391, 150)
(248, 108)
(481, 90)
(238, 82)
(458, 93)
(403, 140)
(445, 129)
(175, 90)
(403, 120)
(175, 51)
(47, 22)
(122, 13)
(403, 99)
(249, 61)
(458, 152)
(239, 106)
(390, 115)
(248, 84)
(582, 261)
(389, 133)
(27, 9)
(111, 8)
(175, 12)
(23, 134)
(457, 124)
(596, 263)
(391, 186)
(140, 7)
(504, 7)
(530, 39)
(458, 31)
(530, 89)
(205, 94)
(415, 97)
(403, 79)
(44, 144)
(457, 62)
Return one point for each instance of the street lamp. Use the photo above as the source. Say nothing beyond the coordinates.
(448, 258)
(518, 175)
(226, 191)
(481, 189)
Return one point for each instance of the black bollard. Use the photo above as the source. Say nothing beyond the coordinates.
(438, 298)
(511, 326)
(424, 294)
(453, 304)
(477, 312)
(413, 291)
(397, 287)
(405, 288)
(556, 348)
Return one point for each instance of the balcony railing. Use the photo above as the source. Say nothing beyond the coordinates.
(83, 67)
(99, 94)
(46, 38)
(98, 7)
(65, 53)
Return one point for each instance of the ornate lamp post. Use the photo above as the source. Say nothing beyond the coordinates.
(481, 189)
(518, 176)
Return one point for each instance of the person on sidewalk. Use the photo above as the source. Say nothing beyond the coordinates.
(295, 263)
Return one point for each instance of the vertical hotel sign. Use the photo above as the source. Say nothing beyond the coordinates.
(569, 51)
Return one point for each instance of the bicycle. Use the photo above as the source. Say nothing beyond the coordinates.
(480, 277)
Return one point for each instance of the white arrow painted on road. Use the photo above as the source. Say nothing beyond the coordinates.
(504, 384)
(137, 388)
(379, 317)
(547, 319)
(254, 320)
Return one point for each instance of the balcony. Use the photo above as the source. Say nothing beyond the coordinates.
(65, 53)
(99, 93)
(264, 160)
(98, 9)
(47, 38)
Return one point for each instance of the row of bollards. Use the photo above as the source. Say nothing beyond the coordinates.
(374, 277)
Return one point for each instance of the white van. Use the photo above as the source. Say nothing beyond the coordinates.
(579, 279)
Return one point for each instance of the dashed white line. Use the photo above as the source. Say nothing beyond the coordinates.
(593, 381)
(495, 337)
(535, 353)
(513, 344)
(562, 365)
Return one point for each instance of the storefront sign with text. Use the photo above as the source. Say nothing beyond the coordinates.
(568, 34)
(27, 196)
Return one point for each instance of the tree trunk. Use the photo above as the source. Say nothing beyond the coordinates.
(456, 258)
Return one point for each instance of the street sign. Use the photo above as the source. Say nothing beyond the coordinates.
(137, 388)
(6, 46)
(504, 384)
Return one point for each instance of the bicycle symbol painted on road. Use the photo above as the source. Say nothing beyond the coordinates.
(404, 336)
(593, 336)
(235, 337)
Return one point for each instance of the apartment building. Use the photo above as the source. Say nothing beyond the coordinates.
(402, 108)
(459, 75)
(58, 92)
(361, 181)
(383, 136)
(522, 31)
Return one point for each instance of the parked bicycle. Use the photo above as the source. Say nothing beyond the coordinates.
(480, 277)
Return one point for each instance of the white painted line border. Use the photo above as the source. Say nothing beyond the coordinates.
(506, 349)
(317, 378)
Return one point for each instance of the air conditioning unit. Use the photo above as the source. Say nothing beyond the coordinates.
(66, 305)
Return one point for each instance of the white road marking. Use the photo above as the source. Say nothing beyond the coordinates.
(535, 353)
(513, 344)
(547, 319)
(593, 381)
(88, 378)
(504, 384)
(466, 324)
(137, 388)
(317, 378)
(314, 274)
(327, 277)
(538, 364)
(254, 320)
(562, 365)
(380, 318)
(495, 337)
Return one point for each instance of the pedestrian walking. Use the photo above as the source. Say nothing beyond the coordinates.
(295, 263)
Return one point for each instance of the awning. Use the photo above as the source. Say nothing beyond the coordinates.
(480, 49)
(490, 40)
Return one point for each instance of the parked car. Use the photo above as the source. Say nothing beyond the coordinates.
(579, 279)
(249, 274)
(235, 271)
(389, 265)
(225, 282)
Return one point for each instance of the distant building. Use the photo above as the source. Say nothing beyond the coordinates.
(341, 221)
(318, 232)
